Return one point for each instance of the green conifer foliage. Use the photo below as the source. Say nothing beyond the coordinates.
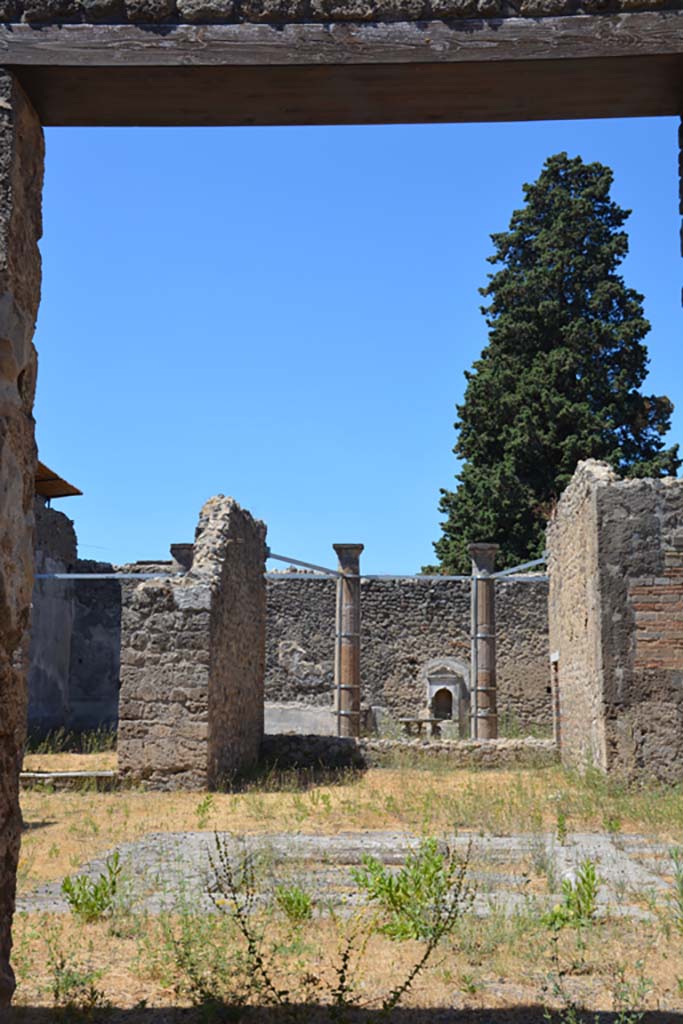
(559, 379)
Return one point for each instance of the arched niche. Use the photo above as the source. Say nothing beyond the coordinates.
(445, 685)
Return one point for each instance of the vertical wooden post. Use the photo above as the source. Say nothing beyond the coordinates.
(347, 652)
(484, 641)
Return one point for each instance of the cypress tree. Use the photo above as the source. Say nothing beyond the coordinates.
(559, 378)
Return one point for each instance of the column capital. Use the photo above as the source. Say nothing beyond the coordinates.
(483, 557)
(349, 557)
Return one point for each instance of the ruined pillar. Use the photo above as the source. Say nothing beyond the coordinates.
(193, 660)
(21, 177)
(484, 640)
(347, 659)
(615, 607)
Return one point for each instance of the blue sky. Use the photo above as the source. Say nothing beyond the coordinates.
(285, 315)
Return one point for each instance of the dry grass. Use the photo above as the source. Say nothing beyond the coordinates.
(104, 761)
(64, 829)
(498, 962)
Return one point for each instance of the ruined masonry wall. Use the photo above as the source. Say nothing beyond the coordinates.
(574, 617)
(191, 702)
(616, 621)
(640, 552)
(284, 11)
(21, 177)
(404, 624)
(237, 652)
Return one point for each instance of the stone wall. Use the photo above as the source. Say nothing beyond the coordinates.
(73, 679)
(616, 607)
(95, 650)
(283, 11)
(21, 176)
(405, 625)
(332, 753)
(52, 616)
(192, 660)
(574, 601)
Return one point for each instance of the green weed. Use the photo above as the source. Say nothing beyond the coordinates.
(91, 899)
(63, 741)
(74, 987)
(416, 900)
(204, 810)
(676, 896)
(294, 902)
(579, 899)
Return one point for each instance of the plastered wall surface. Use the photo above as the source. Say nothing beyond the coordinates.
(73, 678)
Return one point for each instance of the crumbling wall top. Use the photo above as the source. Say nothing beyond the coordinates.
(279, 12)
(221, 522)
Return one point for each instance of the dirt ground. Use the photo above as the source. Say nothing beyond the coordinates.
(155, 961)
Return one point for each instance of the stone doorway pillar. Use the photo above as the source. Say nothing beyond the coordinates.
(21, 179)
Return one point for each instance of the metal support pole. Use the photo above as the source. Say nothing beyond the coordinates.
(484, 637)
(347, 650)
(474, 675)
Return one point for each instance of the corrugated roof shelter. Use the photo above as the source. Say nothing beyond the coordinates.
(49, 485)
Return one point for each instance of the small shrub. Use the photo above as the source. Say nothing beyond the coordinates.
(579, 899)
(294, 902)
(417, 899)
(91, 899)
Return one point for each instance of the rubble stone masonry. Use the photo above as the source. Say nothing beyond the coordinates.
(279, 12)
(21, 176)
(192, 660)
(405, 625)
(616, 622)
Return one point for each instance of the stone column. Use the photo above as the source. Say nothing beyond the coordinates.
(485, 703)
(347, 660)
(21, 176)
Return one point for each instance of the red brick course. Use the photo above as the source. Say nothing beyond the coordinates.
(658, 607)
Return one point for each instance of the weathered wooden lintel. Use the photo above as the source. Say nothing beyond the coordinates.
(513, 69)
(509, 39)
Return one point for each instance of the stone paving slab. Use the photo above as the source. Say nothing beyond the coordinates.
(167, 870)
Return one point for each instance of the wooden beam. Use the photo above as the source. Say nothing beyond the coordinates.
(356, 94)
(513, 69)
(577, 37)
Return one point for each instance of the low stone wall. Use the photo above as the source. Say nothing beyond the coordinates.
(192, 660)
(287, 753)
(405, 625)
(616, 626)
